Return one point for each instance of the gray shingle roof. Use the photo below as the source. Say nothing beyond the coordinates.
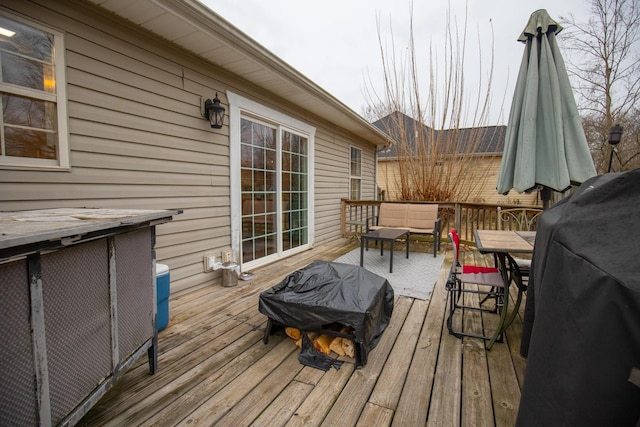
(485, 140)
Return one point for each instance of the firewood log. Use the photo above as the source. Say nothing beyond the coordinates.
(336, 346)
(348, 347)
(343, 346)
(322, 343)
(293, 333)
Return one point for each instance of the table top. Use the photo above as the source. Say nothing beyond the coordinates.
(505, 241)
(386, 233)
(29, 227)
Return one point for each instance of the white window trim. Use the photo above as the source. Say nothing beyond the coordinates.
(239, 105)
(351, 147)
(60, 98)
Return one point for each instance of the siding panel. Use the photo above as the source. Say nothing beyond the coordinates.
(137, 139)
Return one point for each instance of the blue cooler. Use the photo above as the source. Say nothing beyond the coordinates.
(163, 278)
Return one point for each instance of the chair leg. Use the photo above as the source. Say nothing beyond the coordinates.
(456, 293)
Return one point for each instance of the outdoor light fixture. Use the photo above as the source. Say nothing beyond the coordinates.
(213, 111)
(615, 135)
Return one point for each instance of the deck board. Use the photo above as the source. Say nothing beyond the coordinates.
(214, 368)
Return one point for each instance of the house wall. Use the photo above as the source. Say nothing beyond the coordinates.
(483, 177)
(137, 139)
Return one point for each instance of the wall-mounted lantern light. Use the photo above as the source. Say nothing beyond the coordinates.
(615, 135)
(213, 111)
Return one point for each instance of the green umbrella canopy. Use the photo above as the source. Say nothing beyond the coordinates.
(545, 145)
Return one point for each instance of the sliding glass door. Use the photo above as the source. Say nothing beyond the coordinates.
(274, 174)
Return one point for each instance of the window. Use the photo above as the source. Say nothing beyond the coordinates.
(355, 173)
(33, 130)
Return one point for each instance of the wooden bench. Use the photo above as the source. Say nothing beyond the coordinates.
(417, 218)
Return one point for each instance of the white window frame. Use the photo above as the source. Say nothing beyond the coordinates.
(354, 177)
(240, 106)
(59, 98)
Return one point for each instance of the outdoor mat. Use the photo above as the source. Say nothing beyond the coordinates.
(413, 277)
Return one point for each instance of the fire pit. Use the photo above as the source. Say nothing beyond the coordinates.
(328, 293)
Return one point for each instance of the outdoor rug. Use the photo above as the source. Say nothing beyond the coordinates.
(413, 277)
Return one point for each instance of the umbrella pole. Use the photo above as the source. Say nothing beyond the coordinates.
(545, 195)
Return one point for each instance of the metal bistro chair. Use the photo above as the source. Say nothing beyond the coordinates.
(519, 219)
(489, 283)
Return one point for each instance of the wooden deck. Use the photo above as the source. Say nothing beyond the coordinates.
(215, 370)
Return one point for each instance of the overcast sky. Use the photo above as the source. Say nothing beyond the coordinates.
(335, 42)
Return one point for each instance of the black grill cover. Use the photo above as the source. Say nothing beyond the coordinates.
(582, 318)
(326, 292)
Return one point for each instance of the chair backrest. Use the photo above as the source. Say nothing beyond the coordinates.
(393, 214)
(455, 240)
(518, 219)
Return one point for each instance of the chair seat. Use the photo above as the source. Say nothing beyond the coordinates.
(489, 276)
(523, 263)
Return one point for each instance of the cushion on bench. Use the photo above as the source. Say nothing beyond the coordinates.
(417, 218)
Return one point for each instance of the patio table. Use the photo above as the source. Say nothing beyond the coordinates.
(383, 235)
(503, 243)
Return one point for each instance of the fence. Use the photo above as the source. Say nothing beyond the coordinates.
(464, 217)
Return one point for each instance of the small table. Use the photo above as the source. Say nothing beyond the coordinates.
(383, 235)
(503, 243)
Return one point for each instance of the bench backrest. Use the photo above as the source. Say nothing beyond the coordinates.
(393, 215)
(422, 216)
(408, 215)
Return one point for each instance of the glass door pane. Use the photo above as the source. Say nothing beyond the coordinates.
(258, 171)
(295, 195)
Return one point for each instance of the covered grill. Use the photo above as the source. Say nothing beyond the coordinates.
(324, 293)
(581, 328)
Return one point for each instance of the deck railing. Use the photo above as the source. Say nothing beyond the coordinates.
(464, 217)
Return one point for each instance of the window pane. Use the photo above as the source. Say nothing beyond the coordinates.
(355, 189)
(27, 57)
(258, 135)
(245, 131)
(303, 146)
(271, 160)
(27, 72)
(21, 111)
(246, 155)
(295, 143)
(258, 158)
(29, 143)
(270, 181)
(286, 182)
(356, 161)
(27, 41)
(246, 179)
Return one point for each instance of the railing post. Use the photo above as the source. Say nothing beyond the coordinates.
(457, 219)
(343, 216)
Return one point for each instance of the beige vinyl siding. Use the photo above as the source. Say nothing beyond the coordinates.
(332, 184)
(137, 139)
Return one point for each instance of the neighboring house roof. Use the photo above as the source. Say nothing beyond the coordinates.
(487, 140)
(196, 28)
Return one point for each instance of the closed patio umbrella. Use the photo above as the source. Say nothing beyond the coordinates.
(545, 145)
